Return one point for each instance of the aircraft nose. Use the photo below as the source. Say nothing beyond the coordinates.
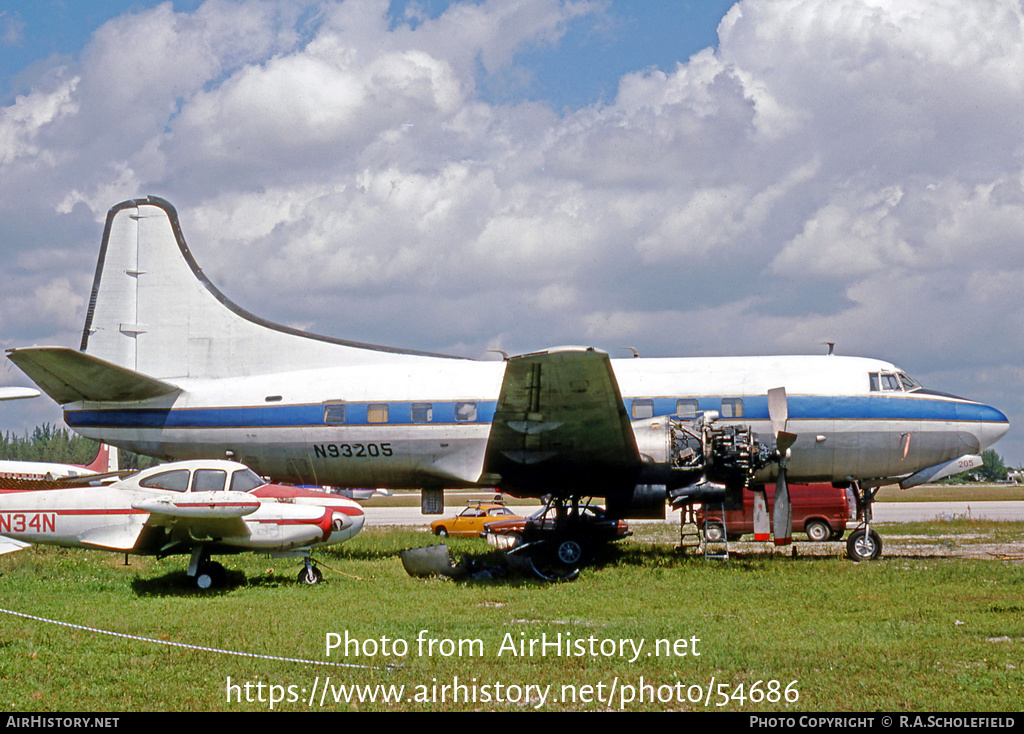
(990, 425)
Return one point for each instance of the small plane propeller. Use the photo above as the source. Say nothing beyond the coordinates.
(782, 516)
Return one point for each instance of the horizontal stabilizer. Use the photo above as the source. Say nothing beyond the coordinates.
(69, 376)
(9, 545)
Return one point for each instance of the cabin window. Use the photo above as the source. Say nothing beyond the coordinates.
(334, 413)
(643, 408)
(732, 407)
(422, 412)
(465, 412)
(377, 413)
(687, 407)
(176, 480)
(209, 480)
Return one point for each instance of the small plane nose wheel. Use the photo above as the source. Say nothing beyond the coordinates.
(310, 574)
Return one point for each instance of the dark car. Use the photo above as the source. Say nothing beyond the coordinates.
(507, 534)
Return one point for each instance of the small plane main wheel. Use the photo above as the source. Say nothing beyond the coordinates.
(817, 531)
(310, 575)
(210, 575)
(862, 546)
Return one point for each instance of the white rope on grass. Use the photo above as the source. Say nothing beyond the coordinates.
(188, 646)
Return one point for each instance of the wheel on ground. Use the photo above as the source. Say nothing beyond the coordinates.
(714, 532)
(817, 531)
(441, 532)
(863, 546)
(210, 575)
(310, 575)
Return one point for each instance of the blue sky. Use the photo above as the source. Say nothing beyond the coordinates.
(584, 67)
(687, 178)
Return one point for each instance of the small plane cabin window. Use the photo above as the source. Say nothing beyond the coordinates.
(377, 413)
(422, 413)
(732, 407)
(687, 407)
(465, 412)
(209, 480)
(176, 480)
(334, 413)
(643, 408)
(245, 480)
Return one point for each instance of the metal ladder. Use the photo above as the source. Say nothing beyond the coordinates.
(718, 549)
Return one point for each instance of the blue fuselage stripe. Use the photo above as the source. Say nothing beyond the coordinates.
(755, 408)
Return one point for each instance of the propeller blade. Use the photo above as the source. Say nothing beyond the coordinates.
(782, 514)
(778, 409)
(762, 525)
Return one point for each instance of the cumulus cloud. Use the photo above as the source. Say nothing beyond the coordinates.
(834, 170)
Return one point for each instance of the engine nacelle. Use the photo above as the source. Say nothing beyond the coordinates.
(680, 453)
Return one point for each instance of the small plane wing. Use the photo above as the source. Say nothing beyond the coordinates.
(201, 514)
(68, 376)
(560, 422)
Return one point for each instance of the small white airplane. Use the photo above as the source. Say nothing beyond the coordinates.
(19, 475)
(169, 366)
(196, 507)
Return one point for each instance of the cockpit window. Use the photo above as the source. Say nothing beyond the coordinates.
(908, 383)
(891, 381)
(245, 480)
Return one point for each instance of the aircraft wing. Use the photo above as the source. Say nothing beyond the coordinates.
(68, 376)
(201, 514)
(560, 424)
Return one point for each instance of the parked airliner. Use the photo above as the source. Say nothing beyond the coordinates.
(169, 366)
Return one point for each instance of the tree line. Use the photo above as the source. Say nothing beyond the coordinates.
(62, 446)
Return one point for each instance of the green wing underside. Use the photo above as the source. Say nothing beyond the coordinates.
(560, 426)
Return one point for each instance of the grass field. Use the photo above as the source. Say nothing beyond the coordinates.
(647, 628)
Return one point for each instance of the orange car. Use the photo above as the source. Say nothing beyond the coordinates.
(470, 522)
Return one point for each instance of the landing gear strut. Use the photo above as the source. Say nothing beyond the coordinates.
(310, 574)
(864, 544)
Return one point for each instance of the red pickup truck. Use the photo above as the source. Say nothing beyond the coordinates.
(820, 510)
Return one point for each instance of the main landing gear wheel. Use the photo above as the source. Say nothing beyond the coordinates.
(863, 545)
(210, 575)
(310, 575)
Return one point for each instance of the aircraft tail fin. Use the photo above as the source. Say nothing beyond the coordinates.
(68, 376)
(106, 460)
(154, 311)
